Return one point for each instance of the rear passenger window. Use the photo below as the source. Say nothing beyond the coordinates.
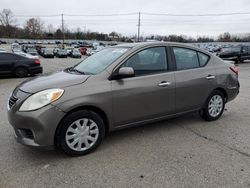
(203, 59)
(185, 58)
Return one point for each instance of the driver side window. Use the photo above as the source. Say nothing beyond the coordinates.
(148, 61)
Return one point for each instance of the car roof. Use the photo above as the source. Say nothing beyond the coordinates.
(145, 44)
(137, 44)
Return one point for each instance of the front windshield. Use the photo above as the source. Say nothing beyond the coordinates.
(31, 50)
(99, 61)
(75, 50)
(17, 49)
(62, 51)
(49, 50)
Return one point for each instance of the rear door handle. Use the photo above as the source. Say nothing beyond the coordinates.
(164, 84)
(210, 77)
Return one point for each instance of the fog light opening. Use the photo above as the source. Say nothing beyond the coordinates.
(26, 133)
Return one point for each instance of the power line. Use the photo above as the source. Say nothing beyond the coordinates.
(147, 18)
(136, 13)
(100, 15)
(27, 16)
(198, 15)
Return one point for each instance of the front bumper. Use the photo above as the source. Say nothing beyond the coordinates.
(41, 124)
(48, 55)
(62, 56)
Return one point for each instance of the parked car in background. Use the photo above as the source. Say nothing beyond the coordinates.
(31, 51)
(17, 65)
(61, 53)
(95, 50)
(69, 51)
(3, 42)
(55, 50)
(41, 51)
(15, 45)
(47, 53)
(39, 48)
(16, 50)
(75, 53)
(83, 50)
(27, 55)
(84, 44)
(120, 87)
(237, 54)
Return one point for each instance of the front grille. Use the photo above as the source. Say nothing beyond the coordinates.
(12, 100)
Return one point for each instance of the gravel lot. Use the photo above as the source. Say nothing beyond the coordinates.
(181, 152)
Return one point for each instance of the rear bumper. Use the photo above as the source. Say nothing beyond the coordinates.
(232, 92)
(35, 70)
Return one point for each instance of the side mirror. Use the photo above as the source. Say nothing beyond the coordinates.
(125, 72)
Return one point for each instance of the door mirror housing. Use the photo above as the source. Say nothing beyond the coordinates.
(124, 72)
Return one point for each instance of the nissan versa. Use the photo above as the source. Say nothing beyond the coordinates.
(118, 87)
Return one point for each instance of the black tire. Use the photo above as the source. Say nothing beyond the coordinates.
(204, 112)
(21, 72)
(239, 60)
(60, 139)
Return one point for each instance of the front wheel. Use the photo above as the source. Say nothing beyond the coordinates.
(214, 106)
(80, 133)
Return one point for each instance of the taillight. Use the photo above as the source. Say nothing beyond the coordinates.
(235, 70)
(37, 61)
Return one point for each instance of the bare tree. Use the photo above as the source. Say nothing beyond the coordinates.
(7, 21)
(225, 37)
(50, 28)
(34, 27)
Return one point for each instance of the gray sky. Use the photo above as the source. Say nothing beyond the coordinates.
(163, 25)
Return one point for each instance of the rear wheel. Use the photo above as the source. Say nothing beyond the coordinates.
(239, 60)
(80, 133)
(214, 106)
(21, 72)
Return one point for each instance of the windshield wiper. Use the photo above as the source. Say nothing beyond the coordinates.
(75, 70)
(72, 69)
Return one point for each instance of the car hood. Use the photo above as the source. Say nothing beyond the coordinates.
(54, 80)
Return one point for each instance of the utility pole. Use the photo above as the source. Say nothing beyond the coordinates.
(139, 27)
(63, 31)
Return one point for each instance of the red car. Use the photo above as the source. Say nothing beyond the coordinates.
(83, 50)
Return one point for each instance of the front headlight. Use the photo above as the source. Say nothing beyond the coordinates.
(41, 99)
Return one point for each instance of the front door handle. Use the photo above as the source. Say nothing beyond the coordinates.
(164, 84)
(210, 77)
